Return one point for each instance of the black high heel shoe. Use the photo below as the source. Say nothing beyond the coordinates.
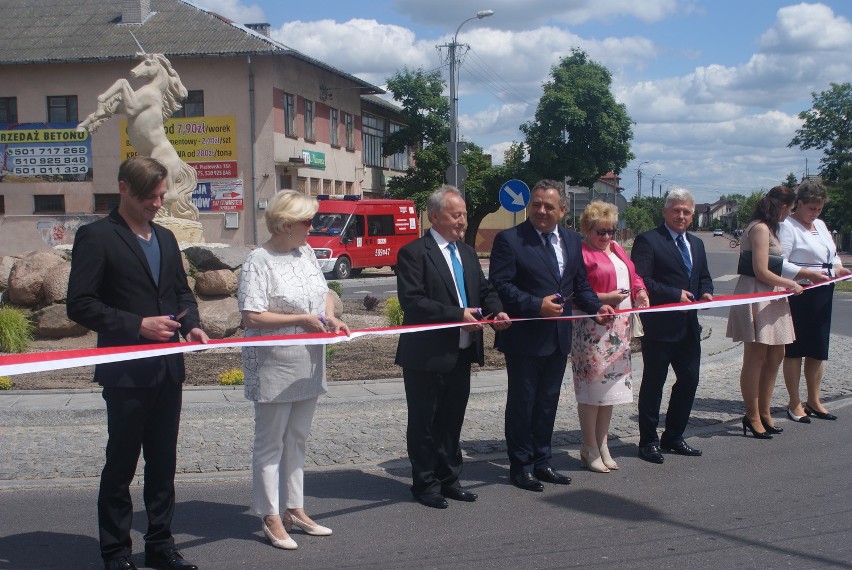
(756, 434)
(770, 428)
(821, 415)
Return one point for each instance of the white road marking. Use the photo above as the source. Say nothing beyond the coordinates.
(726, 277)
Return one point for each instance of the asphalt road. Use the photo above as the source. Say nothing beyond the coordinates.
(786, 502)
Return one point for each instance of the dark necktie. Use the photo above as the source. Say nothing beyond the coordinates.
(551, 252)
(459, 273)
(684, 253)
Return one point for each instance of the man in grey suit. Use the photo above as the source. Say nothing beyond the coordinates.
(439, 280)
(673, 265)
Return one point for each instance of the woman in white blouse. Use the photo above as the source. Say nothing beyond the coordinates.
(807, 243)
(282, 291)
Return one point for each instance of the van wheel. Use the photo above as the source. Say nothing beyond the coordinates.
(355, 271)
(342, 269)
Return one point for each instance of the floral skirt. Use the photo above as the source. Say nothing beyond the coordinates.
(600, 358)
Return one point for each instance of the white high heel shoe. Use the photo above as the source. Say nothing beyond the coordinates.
(290, 520)
(287, 543)
(607, 458)
(590, 458)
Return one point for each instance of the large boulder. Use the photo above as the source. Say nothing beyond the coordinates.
(26, 280)
(220, 318)
(207, 257)
(6, 264)
(56, 284)
(216, 282)
(53, 322)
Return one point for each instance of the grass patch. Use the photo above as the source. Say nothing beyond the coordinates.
(16, 330)
(844, 286)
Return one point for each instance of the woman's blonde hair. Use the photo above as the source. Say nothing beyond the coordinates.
(288, 207)
(597, 212)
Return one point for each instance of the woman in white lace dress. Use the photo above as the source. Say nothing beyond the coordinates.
(282, 291)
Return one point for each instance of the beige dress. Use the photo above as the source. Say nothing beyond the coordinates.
(766, 322)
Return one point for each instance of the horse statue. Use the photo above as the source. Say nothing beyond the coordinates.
(147, 109)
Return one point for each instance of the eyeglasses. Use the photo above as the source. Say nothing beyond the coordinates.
(603, 233)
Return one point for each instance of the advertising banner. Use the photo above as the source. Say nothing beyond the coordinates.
(44, 152)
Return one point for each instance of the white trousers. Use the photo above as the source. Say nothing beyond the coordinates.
(278, 459)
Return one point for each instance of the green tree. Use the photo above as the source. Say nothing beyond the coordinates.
(579, 130)
(838, 209)
(791, 181)
(638, 219)
(828, 127)
(424, 108)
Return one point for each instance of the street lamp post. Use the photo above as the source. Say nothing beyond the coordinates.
(653, 179)
(454, 102)
(639, 174)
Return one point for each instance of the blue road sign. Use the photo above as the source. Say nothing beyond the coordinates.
(514, 195)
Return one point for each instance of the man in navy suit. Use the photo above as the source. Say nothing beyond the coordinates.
(674, 266)
(127, 283)
(439, 280)
(537, 268)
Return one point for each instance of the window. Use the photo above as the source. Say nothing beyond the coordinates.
(309, 120)
(8, 109)
(104, 203)
(334, 126)
(380, 225)
(373, 133)
(192, 106)
(289, 115)
(2, 204)
(398, 161)
(49, 204)
(62, 109)
(349, 125)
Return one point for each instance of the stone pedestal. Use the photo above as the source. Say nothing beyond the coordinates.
(186, 231)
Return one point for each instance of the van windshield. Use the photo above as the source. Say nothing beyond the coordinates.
(328, 224)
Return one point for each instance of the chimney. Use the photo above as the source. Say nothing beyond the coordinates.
(263, 28)
(135, 11)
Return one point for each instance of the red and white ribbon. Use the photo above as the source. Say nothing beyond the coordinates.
(56, 360)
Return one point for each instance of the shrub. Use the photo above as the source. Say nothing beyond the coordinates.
(233, 377)
(6, 383)
(336, 287)
(16, 330)
(393, 312)
(370, 302)
(330, 349)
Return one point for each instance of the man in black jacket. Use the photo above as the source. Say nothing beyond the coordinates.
(127, 284)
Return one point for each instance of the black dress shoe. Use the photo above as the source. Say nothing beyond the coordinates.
(459, 494)
(168, 559)
(821, 415)
(120, 563)
(682, 448)
(651, 453)
(549, 475)
(527, 482)
(432, 500)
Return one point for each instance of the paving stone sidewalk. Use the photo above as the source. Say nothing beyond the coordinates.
(58, 438)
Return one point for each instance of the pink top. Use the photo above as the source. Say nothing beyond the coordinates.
(601, 272)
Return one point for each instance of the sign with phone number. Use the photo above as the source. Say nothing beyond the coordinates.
(45, 152)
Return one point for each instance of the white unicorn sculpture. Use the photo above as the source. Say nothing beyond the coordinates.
(147, 109)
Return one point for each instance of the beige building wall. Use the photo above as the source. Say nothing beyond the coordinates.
(263, 153)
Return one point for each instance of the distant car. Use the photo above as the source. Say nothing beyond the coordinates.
(718, 233)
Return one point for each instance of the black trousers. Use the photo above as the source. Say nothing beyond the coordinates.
(531, 402)
(436, 408)
(143, 419)
(685, 359)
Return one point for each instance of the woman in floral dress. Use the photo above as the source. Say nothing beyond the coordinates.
(600, 354)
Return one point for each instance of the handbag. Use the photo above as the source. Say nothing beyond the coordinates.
(636, 326)
(745, 267)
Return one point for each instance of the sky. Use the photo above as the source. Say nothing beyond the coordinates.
(714, 87)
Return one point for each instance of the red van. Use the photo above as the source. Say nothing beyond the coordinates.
(350, 234)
